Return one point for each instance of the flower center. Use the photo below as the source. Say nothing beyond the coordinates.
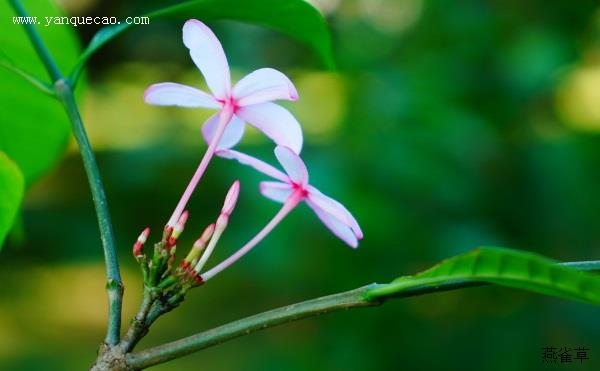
(229, 101)
(300, 190)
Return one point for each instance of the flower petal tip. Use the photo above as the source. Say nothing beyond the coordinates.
(194, 22)
(293, 93)
(149, 90)
(208, 55)
(359, 238)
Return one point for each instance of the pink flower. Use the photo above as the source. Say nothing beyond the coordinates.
(293, 187)
(247, 101)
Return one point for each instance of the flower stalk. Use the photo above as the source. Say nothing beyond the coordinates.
(287, 207)
(224, 118)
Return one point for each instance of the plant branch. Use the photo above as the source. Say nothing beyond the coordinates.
(346, 300)
(64, 92)
(138, 329)
(38, 43)
(294, 312)
(39, 84)
(114, 285)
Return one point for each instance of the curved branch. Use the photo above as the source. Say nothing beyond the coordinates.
(356, 298)
(294, 312)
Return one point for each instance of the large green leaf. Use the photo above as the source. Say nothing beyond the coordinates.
(11, 192)
(33, 126)
(504, 267)
(296, 18)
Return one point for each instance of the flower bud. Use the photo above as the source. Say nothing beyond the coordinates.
(219, 228)
(221, 223)
(179, 227)
(199, 245)
(231, 198)
(138, 246)
(167, 231)
(208, 232)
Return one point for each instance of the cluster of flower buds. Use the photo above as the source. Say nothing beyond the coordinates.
(159, 272)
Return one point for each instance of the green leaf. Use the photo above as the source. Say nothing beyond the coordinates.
(34, 129)
(12, 186)
(506, 267)
(295, 18)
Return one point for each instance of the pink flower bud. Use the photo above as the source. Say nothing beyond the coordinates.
(231, 198)
(137, 249)
(199, 245)
(167, 231)
(179, 227)
(138, 246)
(143, 237)
(208, 232)
(221, 223)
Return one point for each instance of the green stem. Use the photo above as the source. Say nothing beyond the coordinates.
(346, 300)
(179, 348)
(64, 92)
(37, 83)
(37, 43)
(114, 284)
(137, 329)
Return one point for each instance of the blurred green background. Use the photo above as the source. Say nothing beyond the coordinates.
(448, 125)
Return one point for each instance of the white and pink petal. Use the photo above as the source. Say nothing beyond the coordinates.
(173, 94)
(275, 122)
(334, 208)
(263, 85)
(255, 163)
(276, 191)
(208, 55)
(234, 131)
(339, 229)
(292, 164)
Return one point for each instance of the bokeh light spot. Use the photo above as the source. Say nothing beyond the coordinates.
(322, 104)
(578, 97)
